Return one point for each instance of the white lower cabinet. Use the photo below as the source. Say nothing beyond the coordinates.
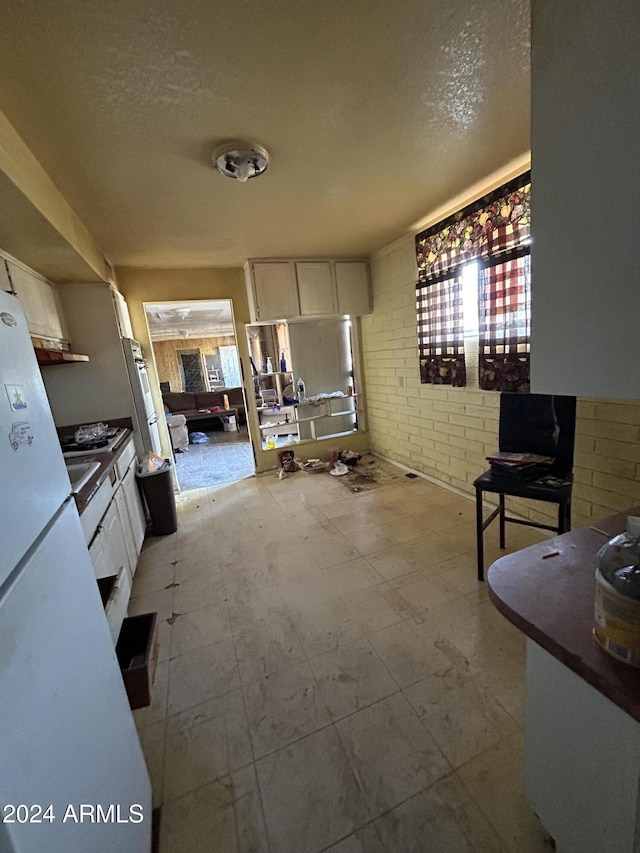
(127, 533)
(117, 538)
(108, 544)
(137, 518)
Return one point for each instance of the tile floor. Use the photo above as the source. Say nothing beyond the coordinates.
(331, 676)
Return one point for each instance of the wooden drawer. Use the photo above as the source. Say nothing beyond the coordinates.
(137, 655)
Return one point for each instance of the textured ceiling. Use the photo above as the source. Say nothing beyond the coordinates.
(191, 319)
(374, 114)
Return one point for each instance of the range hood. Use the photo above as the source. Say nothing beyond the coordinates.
(55, 352)
(57, 356)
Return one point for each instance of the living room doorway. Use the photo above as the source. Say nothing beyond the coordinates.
(200, 374)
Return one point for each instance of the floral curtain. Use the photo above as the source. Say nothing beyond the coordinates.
(441, 332)
(504, 306)
(494, 231)
(491, 225)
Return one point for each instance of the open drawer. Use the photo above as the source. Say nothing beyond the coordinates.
(137, 655)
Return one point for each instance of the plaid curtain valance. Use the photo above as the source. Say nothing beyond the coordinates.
(489, 226)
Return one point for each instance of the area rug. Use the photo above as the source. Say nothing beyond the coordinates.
(227, 457)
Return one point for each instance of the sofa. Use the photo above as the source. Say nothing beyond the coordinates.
(190, 404)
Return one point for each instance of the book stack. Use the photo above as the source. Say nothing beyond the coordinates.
(519, 466)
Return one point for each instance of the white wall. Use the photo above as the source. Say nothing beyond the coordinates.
(585, 198)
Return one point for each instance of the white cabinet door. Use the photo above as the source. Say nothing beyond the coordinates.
(275, 293)
(39, 302)
(122, 315)
(100, 555)
(316, 288)
(137, 519)
(354, 290)
(127, 533)
(108, 550)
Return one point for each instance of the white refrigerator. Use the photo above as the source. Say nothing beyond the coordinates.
(72, 773)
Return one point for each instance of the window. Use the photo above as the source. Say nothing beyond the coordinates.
(441, 332)
(488, 241)
(504, 301)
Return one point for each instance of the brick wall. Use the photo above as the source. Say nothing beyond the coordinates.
(446, 432)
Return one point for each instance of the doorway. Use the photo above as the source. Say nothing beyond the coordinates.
(200, 374)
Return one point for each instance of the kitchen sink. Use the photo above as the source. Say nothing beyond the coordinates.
(80, 473)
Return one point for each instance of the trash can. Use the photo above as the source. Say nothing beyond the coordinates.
(157, 488)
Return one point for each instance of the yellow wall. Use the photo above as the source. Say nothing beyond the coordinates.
(21, 167)
(446, 432)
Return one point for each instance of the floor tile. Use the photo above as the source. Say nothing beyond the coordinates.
(353, 576)
(263, 651)
(309, 591)
(202, 674)
(461, 716)
(390, 564)
(158, 602)
(255, 607)
(365, 840)
(442, 819)
(425, 593)
(284, 707)
(198, 628)
(223, 816)
(153, 579)
(205, 743)
(494, 779)
(310, 795)
(352, 677)
(190, 823)
(409, 652)
(152, 741)
(391, 752)
(322, 629)
(377, 608)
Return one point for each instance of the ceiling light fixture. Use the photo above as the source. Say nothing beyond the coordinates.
(241, 160)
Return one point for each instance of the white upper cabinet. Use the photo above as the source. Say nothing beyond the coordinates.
(291, 289)
(354, 289)
(40, 303)
(122, 314)
(272, 290)
(316, 288)
(585, 124)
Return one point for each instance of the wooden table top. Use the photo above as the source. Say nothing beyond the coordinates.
(551, 598)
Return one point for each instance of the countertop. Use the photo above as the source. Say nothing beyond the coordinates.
(107, 465)
(552, 600)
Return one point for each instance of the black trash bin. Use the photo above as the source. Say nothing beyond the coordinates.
(157, 488)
